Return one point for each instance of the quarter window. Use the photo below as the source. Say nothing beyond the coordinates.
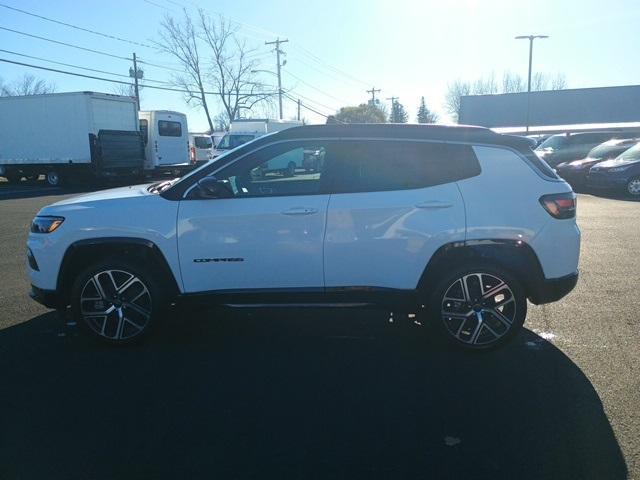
(168, 128)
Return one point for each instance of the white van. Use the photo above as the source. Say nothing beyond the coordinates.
(166, 140)
(200, 147)
(245, 130)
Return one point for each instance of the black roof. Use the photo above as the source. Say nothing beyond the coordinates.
(451, 133)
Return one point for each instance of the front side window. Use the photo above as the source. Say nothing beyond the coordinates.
(631, 155)
(167, 128)
(291, 168)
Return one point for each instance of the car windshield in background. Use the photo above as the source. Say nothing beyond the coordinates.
(609, 149)
(232, 141)
(555, 141)
(630, 155)
(203, 142)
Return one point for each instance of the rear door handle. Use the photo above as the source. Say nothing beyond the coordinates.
(434, 204)
(300, 211)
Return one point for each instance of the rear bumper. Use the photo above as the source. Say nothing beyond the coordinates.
(48, 298)
(553, 289)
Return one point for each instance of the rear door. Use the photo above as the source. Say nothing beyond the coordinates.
(394, 203)
(171, 140)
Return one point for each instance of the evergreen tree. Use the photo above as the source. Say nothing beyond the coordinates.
(425, 115)
(398, 113)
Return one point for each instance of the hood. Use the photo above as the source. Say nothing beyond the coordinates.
(614, 162)
(110, 194)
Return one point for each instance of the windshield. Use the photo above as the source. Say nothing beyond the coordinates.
(232, 141)
(553, 142)
(631, 155)
(607, 150)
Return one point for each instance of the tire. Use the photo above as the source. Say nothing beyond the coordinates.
(633, 187)
(53, 178)
(291, 170)
(478, 316)
(124, 299)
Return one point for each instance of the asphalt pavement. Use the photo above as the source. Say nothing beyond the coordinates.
(340, 394)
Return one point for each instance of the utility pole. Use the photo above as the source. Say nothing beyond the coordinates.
(277, 43)
(393, 108)
(298, 109)
(531, 38)
(373, 92)
(136, 74)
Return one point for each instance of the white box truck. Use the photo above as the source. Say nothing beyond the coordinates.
(166, 139)
(243, 131)
(69, 135)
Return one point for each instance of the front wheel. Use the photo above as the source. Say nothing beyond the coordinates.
(633, 187)
(116, 302)
(479, 308)
(53, 178)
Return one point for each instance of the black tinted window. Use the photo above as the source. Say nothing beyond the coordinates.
(167, 128)
(202, 142)
(361, 166)
(144, 130)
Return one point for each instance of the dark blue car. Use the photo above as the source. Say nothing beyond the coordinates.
(620, 173)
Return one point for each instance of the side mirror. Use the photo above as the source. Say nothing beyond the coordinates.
(211, 187)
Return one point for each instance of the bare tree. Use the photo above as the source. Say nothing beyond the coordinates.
(559, 82)
(232, 73)
(180, 40)
(484, 86)
(27, 85)
(125, 90)
(455, 91)
(513, 83)
(221, 122)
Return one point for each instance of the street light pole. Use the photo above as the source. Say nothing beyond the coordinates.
(531, 38)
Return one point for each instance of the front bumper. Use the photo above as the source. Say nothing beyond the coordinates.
(48, 298)
(553, 289)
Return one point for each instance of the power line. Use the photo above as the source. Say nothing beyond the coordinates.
(66, 44)
(105, 35)
(306, 106)
(75, 66)
(315, 88)
(39, 67)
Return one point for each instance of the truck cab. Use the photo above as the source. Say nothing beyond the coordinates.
(166, 139)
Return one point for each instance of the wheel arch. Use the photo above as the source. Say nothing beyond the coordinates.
(83, 252)
(514, 256)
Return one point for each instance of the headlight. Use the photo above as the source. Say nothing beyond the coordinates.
(617, 169)
(46, 224)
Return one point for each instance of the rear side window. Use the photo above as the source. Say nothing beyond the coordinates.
(168, 128)
(369, 166)
(202, 142)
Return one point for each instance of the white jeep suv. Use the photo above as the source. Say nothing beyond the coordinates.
(461, 221)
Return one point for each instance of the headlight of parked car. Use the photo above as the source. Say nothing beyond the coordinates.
(46, 224)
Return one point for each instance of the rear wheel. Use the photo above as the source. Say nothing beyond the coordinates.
(116, 302)
(633, 187)
(479, 307)
(53, 178)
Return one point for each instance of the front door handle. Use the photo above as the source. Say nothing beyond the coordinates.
(300, 211)
(434, 204)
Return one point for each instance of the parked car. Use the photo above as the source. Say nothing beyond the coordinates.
(621, 173)
(567, 147)
(575, 172)
(396, 216)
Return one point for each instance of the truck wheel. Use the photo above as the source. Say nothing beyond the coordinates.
(116, 301)
(478, 307)
(53, 178)
(291, 170)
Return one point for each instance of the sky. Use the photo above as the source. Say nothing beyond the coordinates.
(338, 49)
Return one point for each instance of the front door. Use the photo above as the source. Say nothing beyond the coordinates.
(267, 234)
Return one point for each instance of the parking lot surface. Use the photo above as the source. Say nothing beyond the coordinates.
(286, 393)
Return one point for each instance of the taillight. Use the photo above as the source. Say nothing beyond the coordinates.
(560, 205)
(193, 154)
